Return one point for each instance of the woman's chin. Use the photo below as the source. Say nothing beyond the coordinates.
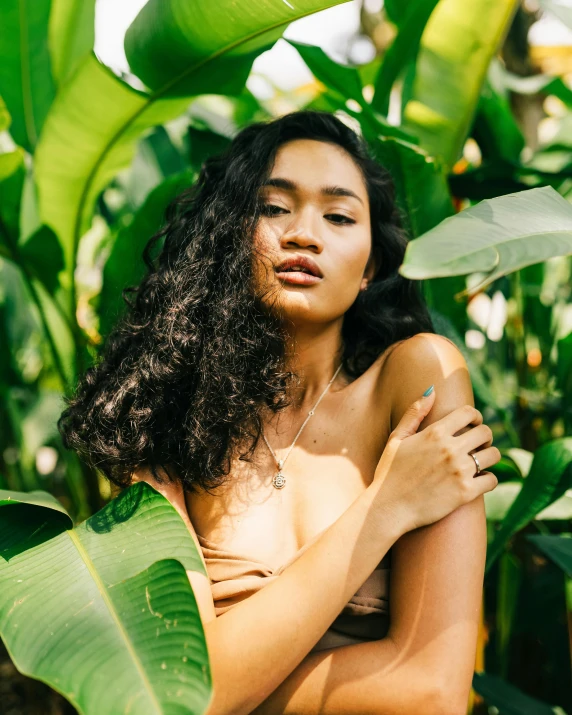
(302, 310)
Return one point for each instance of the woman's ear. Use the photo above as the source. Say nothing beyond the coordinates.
(369, 272)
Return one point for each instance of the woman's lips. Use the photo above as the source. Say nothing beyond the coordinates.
(298, 278)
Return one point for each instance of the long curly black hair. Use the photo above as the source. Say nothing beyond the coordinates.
(184, 377)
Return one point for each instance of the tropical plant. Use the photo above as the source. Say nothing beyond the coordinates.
(113, 591)
(88, 164)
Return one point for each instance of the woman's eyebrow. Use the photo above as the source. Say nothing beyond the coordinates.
(289, 185)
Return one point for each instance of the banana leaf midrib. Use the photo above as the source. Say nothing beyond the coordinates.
(104, 595)
(27, 98)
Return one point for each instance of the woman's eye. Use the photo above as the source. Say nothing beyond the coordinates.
(344, 219)
(274, 210)
(271, 209)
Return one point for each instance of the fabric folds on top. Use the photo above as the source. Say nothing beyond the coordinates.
(234, 577)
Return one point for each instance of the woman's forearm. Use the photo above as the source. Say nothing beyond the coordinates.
(255, 645)
(369, 678)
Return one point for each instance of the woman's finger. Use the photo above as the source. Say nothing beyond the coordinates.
(477, 437)
(459, 418)
(485, 457)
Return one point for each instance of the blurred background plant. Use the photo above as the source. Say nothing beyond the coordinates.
(460, 101)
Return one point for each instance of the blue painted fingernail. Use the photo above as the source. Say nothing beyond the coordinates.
(428, 391)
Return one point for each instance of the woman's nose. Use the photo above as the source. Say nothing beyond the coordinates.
(301, 234)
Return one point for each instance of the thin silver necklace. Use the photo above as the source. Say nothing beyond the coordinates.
(279, 480)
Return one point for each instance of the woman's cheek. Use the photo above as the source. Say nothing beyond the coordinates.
(351, 266)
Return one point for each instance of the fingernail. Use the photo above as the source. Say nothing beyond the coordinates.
(428, 391)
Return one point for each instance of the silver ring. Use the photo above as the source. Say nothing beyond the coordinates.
(476, 464)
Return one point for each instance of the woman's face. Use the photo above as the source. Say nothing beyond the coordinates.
(314, 208)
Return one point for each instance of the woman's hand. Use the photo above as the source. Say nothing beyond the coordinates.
(426, 475)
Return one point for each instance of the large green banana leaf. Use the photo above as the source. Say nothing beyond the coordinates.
(26, 83)
(89, 135)
(495, 237)
(104, 612)
(34, 498)
(95, 121)
(548, 479)
(71, 35)
(185, 47)
(456, 48)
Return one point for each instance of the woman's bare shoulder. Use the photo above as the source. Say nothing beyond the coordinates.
(416, 363)
(420, 349)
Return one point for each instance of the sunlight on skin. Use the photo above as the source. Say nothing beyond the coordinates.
(334, 230)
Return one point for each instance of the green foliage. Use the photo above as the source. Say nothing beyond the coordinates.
(120, 269)
(90, 135)
(507, 699)
(116, 585)
(187, 47)
(495, 128)
(449, 73)
(420, 181)
(403, 50)
(549, 477)
(496, 237)
(71, 35)
(12, 173)
(26, 83)
(557, 548)
(343, 83)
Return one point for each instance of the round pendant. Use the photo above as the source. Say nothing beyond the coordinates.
(279, 480)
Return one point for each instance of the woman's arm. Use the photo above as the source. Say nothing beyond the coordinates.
(439, 569)
(255, 645)
(435, 589)
(366, 678)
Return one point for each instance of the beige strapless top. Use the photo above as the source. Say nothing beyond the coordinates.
(234, 577)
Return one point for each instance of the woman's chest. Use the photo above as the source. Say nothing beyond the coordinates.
(332, 462)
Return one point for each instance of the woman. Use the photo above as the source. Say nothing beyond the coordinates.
(267, 379)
